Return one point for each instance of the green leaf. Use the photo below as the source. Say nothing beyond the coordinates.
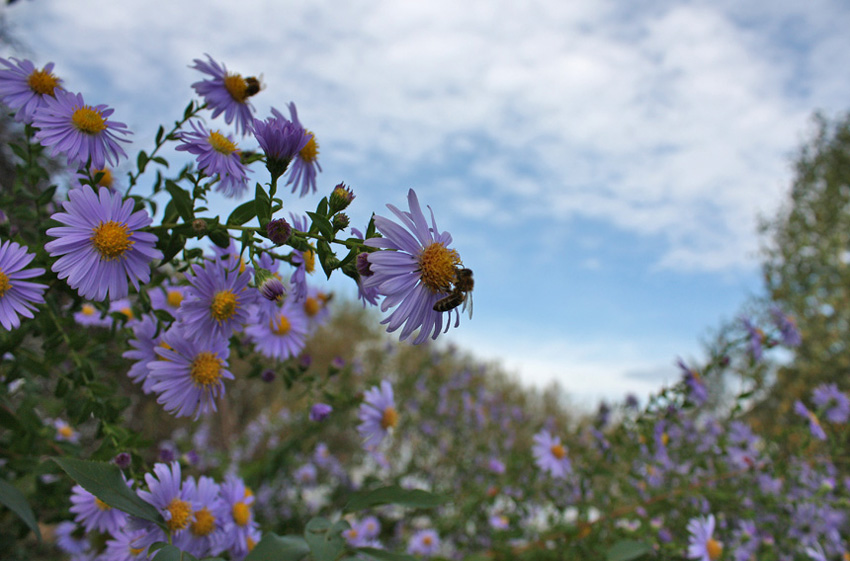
(47, 195)
(322, 224)
(105, 482)
(325, 540)
(142, 161)
(282, 548)
(263, 205)
(182, 201)
(220, 238)
(242, 214)
(17, 503)
(167, 552)
(175, 244)
(626, 550)
(413, 498)
(384, 555)
(159, 132)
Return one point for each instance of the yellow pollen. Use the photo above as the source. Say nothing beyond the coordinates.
(221, 144)
(714, 548)
(281, 326)
(206, 369)
(311, 306)
(105, 179)
(127, 312)
(88, 120)
(174, 298)
(389, 418)
(136, 550)
(309, 261)
(66, 431)
(237, 87)
(111, 239)
(427, 540)
(311, 149)
(558, 451)
(248, 493)
(241, 513)
(5, 285)
(42, 82)
(101, 505)
(181, 514)
(223, 305)
(846, 556)
(437, 267)
(204, 522)
(813, 418)
(250, 543)
(665, 438)
(88, 310)
(241, 265)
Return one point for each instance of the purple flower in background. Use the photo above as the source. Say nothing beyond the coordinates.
(814, 423)
(217, 304)
(833, 401)
(101, 247)
(23, 87)
(701, 542)
(217, 154)
(94, 514)
(755, 338)
(206, 527)
(144, 343)
(320, 412)
(306, 166)
(788, 330)
(225, 93)
(89, 316)
(550, 455)
(81, 132)
(17, 296)
(174, 501)
(377, 414)
(191, 374)
(415, 270)
(697, 390)
(424, 542)
(238, 516)
(281, 336)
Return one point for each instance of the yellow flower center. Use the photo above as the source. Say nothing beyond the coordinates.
(101, 505)
(204, 522)
(311, 306)
(248, 493)
(42, 82)
(389, 418)
(665, 438)
(223, 305)
(427, 540)
(206, 369)
(66, 431)
(174, 298)
(311, 150)
(241, 513)
(127, 312)
(309, 261)
(105, 179)
(281, 326)
(221, 143)
(136, 550)
(250, 543)
(237, 87)
(558, 451)
(437, 267)
(714, 548)
(88, 310)
(5, 285)
(88, 120)
(181, 514)
(111, 239)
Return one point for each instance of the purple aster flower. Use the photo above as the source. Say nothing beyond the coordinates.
(167, 297)
(814, 423)
(226, 93)
(755, 338)
(101, 247)
(240, 528)
(281, 140)
(17, 296)
(89, 316)
(701, 543)
(124, 545)
(174, 500)
(369, 527)
(833, 401)
(204, 533)
(788, 330)
(416, 270)
(697, 390)
(377, 414)
(23, 87)
(550, 455)
(499, 522)
(424, 542)
(217, 304)
(68, 541)
(191, 375)
(83, 133)
(306, 165)
(217, 155)
(144, 342)
(306, 474)
(64, 432)
(282, 335)
(315, 307)
(94, 514)
(320, 412)
(496, 465)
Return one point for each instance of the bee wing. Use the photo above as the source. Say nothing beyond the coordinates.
(468, 302)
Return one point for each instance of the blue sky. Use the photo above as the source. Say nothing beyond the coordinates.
(601, 165)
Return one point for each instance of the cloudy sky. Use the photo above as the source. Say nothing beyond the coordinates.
(601, 165)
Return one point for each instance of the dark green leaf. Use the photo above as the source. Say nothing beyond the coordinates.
(322, 224)
(15, 501)
(384, 555)
(167, 552)
(47, 195)
(159, 132)
(160, 160)
(413, 498)
(325, 540)
(626, 550)
(182, 201)
(263, 205)
(175, 244)
(242, 214)
(105, 482)
(282, 548)
(220, 238)
(142, 161)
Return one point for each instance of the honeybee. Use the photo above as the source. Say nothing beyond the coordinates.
(461, 293)
(254, 86)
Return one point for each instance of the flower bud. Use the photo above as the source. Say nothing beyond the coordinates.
(273, 289)
(199, 225)
(340, 222)
(340, 198)
(363, 265)
(278, 231)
